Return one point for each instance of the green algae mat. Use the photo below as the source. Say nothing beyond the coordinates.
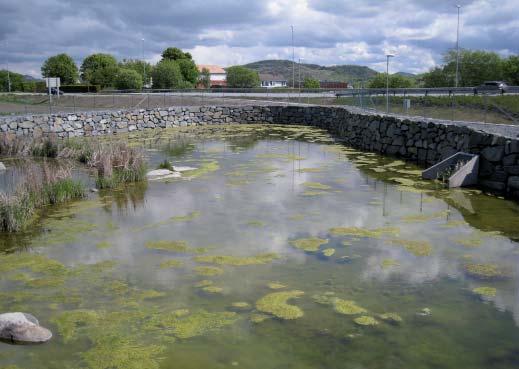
(282, 249)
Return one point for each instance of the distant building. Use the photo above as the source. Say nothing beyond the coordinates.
(218, 75)
(271, 80)
(333, 84)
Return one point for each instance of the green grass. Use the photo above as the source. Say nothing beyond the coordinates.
(122, 176)
(165, 165)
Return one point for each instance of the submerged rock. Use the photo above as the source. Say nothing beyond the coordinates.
(2, 166)
(158, 174)
(22, 328)
(183, 169)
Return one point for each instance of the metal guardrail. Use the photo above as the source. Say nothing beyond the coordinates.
(421, 91)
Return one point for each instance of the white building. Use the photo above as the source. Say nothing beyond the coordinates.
(272, 81)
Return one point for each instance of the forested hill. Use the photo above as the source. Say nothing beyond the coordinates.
(343, 73)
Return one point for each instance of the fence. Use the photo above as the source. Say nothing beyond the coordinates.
(443, 103)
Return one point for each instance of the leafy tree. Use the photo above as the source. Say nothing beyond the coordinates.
(241, 77)
(16, 79)
(436, 77)
(167, 74)
(311, 83)
(99, 69)
(128, 79)
(511, 70)
(174, 53)
(189, 70)
(140, 67)
(205, 78)
(395, 81)
(61, 66)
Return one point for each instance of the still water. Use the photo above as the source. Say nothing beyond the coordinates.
(283, 249)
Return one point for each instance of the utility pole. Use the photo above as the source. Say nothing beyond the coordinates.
(293, 60)
(387, 81)
(458, 48)
(143, 65)
(300, 74)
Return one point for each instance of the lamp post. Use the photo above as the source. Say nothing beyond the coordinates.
(387, 81)
(299, 79)
(7, 65)
(143, 64)
(458, 47)
(293, 60)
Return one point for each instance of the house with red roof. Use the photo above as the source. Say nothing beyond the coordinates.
(218, 75)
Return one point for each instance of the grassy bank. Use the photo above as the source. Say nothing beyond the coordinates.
(39, 186)
(113, 163)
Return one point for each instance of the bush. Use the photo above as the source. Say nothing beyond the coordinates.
(165, 165)
(128, 79)
(80, 88)
(241, 77)
(166, 75)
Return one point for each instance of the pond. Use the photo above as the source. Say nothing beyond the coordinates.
(283, 249)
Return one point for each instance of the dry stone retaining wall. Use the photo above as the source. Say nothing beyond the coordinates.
(426, 142)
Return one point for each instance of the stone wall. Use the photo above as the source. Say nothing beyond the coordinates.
(425, 142)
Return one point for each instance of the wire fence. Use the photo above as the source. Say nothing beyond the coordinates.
(460, 104)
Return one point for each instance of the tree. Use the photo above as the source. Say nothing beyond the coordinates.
(99, 69)
(128, 79)
(311, 83)
(395, 81)
(436, 77)
(241, 77)
(189, 70)
(16, 79)
(61, 66)
(174, 53)
(167, 74)
(140, 67)
(205, 78)
(511, 70)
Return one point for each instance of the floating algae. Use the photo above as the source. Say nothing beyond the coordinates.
(310, 170)
(103, 245)
(425, 217)
(288, 157)
(391, 317)
(171, 264)
(62, 231)
(316, 186)
(204, 283)
(212, 289)
(485, 291)
(365, 320)
(237, 260)
(256, 223)
(275, 285)
(389, 263)
(186, 218)
(205, 168)
(174, 246)
(309, 244)
(201, 323)
(208, 271)
(69, 322)
(313, 193)
(258, 318)
(328, 252)
(364, 232)
(347, 307)
(240, 305)
(484, 271)
(276, 304)
(417, 248)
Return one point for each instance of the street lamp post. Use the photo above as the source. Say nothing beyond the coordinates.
(458, 47)
(299, 78)
(293, 60)
(143, 65)
(387, 81)
(7, 65)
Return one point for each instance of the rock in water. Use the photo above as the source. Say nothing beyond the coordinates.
(2, 166)
(183, 169)
(22, 328)
(159, 174)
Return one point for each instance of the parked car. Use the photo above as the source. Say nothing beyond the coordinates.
(55, 91)
(492, 87)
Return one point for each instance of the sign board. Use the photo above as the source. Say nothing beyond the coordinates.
(407, 104)
(53, 82)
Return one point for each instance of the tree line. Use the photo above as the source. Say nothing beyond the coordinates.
(475, 67)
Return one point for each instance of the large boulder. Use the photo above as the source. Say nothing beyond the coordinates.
(22, 328)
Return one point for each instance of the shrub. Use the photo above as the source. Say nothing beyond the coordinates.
(128, 79)
(80, 88)
(165, 165)
(167, 74)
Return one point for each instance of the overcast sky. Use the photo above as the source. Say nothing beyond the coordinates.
(228, 32)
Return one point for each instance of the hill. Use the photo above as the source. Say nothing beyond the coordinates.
(342, 73)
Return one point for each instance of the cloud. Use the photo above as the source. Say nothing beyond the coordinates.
(227, 32)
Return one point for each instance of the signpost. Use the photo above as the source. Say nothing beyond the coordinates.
(53, 82)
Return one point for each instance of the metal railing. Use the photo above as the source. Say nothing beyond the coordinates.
(440, 103)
